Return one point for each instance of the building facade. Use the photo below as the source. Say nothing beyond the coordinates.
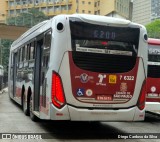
(3, 10)
(118, 8)
(114, 8)
(145, 11)
(141, 11)
(155, 9)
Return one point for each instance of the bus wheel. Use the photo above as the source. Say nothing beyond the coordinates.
(25, 110)
(32, 116)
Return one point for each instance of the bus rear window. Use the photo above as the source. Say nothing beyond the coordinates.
(154, 53)
(104, 39)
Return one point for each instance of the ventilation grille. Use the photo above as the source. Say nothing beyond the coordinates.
(103, 63)
(153, 71)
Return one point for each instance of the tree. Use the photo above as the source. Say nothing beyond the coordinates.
(153, 29)
(5, 45)
(28, 19)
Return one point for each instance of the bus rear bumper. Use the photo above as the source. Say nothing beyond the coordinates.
(131, 114)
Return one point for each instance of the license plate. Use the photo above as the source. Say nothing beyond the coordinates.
(104, 98)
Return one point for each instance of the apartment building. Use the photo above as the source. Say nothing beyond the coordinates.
(155, 9)
(117, 8)
(114, 8)
(3, 8)
(141, 11)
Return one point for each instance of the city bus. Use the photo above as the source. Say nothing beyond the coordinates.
(153, 77)
(80, 68)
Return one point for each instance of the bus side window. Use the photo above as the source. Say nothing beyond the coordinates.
(26, 58)
(46, 49)
(25, 53)
(28, 53)
(22, 51)
(32, 51)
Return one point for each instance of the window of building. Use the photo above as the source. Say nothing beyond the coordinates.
(64, 7)
(95, 13)
(83, 11)
(83, 2)
(50, 1)
(89, 2)
(18, 2)
(24, 10)
(18, 12)
(95, 4)
(30, 1)
(44, 1)
(11, 3)
(44, 10)
(69, 7)
(98, 3)
(24, 2)
(11, 12)
(89, 12)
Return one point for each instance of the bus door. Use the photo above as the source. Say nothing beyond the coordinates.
(15, 61)
(44, 68)
(37, 74)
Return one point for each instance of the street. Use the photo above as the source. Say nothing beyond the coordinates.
(13, 120)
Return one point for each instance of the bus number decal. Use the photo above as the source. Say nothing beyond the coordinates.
(126, 77)
(104, 34)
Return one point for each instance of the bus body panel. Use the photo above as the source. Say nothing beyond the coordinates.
(82, 107)
(66, 78)
(153, 90)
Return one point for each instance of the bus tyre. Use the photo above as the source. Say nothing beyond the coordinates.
(25, 109)
(32, 116)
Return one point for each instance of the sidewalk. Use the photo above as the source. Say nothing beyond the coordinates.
(4, 90)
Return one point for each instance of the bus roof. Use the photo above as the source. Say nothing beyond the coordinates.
(103, 19)
(153, 41)
(95, 19)
(34, 28)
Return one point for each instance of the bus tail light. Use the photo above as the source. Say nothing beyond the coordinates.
(58, 98)
(142, 97)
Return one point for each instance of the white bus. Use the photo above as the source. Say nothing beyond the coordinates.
(81, 68)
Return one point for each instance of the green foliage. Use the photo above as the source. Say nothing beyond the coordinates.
(28, 19)
(5, 44)
(153, 29)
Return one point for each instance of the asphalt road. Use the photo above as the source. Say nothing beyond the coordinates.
(12, 120)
